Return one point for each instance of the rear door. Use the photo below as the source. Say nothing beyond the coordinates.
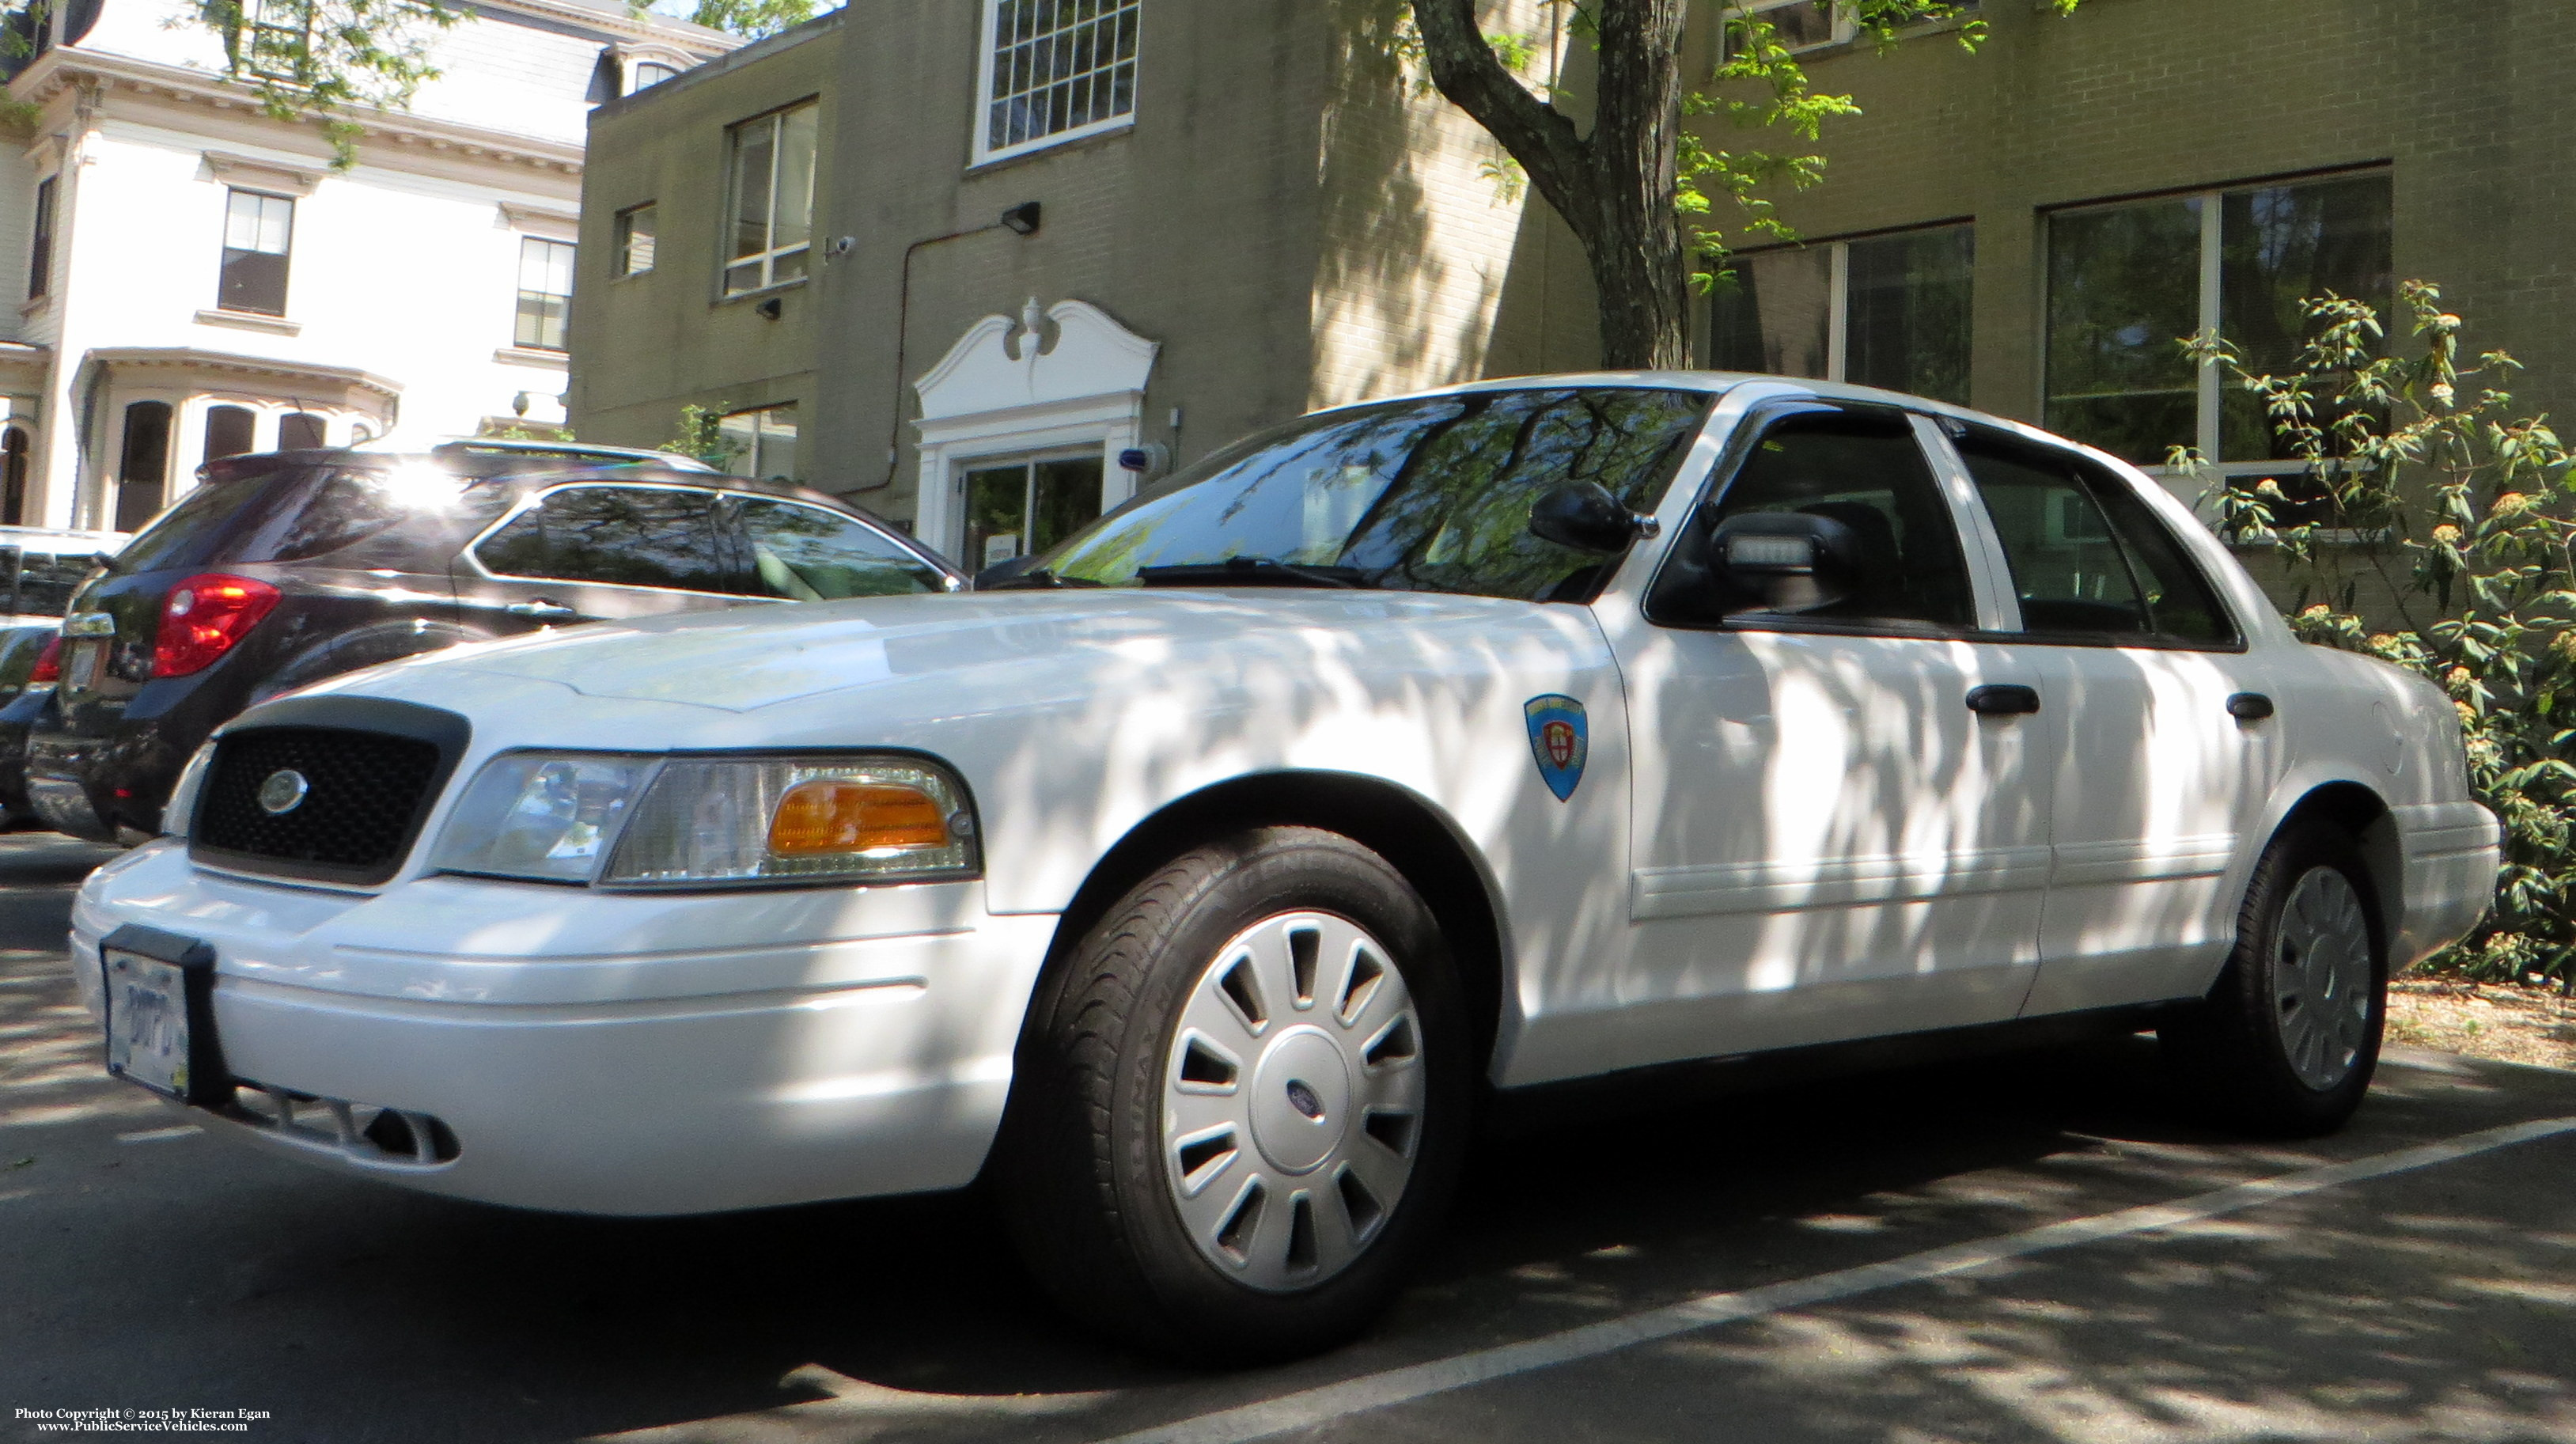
(2156, 782)
(594, 551)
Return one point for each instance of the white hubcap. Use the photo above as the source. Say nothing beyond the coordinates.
(1292, 1100)
(2321, 978)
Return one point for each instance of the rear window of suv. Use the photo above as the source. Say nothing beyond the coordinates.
(299, 513)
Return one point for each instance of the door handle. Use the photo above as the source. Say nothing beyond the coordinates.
(540, 607)
(2003, 699)
(2249, 706)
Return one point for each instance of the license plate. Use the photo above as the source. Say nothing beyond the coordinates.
(148, 1027)
(80, 664)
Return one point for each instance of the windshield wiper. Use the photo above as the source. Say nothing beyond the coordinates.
(1034, 577)
(1251, 572)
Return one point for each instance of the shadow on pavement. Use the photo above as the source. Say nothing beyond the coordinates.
(171, 1270)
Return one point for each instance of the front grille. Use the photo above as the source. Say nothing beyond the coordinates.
(362, 796)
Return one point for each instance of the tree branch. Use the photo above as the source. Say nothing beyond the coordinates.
(1537, 134)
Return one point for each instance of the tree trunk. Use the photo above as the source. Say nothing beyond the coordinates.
(1615, 187)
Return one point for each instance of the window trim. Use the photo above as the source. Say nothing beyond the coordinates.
(42, 233)
(980, 130)
(1845, 26)
(727, 263)
(621, 240)
(2209, 384)
(522, 293)
(286, 290)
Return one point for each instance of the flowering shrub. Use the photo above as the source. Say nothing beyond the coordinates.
(2432, 493)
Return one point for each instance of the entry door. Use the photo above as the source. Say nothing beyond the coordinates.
(1830, 842)
(2157, 784)
(1024, 507)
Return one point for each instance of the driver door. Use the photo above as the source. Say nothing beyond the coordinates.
(1828, 842)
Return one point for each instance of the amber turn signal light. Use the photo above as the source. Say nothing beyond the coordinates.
(837, 815)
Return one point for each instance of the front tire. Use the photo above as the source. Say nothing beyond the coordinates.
(1241, 1103)
(2287, 1041)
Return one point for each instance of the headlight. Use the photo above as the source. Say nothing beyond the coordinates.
(710, 821)
(548, 816)
(796, 819)
(183, 793)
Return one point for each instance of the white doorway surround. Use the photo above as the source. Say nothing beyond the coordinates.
(1063, 378)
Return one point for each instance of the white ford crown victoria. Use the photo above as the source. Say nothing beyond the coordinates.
(1194, 883)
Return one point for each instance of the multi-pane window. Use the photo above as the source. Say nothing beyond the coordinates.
(645, 74)
(635, 240)
(40, 254)
(772, 206)
(1887, 311)
(281, 39)
(545, 293)
(1054, 70)
(257, 232)
(2127, 283)
(761, 443)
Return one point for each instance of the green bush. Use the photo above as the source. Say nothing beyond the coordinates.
(2436, 495)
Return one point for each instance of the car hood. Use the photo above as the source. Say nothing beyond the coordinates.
(748, 658)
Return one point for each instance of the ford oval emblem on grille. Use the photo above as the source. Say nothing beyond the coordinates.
(282, 791)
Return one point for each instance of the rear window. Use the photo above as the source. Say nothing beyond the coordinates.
(40, 584)
(303, 513)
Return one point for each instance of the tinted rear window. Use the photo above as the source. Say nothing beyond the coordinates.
(40, 584)
(306, 513)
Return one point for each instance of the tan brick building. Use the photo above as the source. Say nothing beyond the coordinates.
(1255, 208)
(1244, 211)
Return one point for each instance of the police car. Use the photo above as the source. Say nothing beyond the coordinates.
(1196, 882)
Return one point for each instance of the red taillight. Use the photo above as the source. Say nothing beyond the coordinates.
(49, 662)
(203, 617)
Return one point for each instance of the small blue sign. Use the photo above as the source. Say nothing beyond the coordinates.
(1559, 739)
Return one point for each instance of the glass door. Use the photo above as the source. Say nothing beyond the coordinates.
(1025, 507)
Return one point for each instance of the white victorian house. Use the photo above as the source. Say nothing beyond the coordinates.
(183, 277)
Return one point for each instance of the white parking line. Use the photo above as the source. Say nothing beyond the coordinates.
(156, 1135)
(1310, 1407)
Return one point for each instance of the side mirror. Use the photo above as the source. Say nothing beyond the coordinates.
(1585, 516)
(1792, 560)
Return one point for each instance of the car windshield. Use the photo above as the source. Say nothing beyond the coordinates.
(1428, 495)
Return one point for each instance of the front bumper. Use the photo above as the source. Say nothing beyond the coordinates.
(602, 1053)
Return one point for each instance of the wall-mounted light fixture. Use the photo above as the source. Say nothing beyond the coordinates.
(769, 310)
(1022, 218)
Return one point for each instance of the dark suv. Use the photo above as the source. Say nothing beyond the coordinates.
(285, 568)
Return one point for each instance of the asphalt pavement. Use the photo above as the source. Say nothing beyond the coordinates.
(2027, 1248)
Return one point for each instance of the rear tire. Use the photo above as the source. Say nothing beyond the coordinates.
(2288, 1039)
(1240, 1105)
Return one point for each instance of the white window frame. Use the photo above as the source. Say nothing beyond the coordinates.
(2211, 384)
(984, 97)
(1845, 26)
(776, 120)
(523, 291)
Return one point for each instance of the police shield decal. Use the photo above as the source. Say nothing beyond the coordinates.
(1559, 740)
